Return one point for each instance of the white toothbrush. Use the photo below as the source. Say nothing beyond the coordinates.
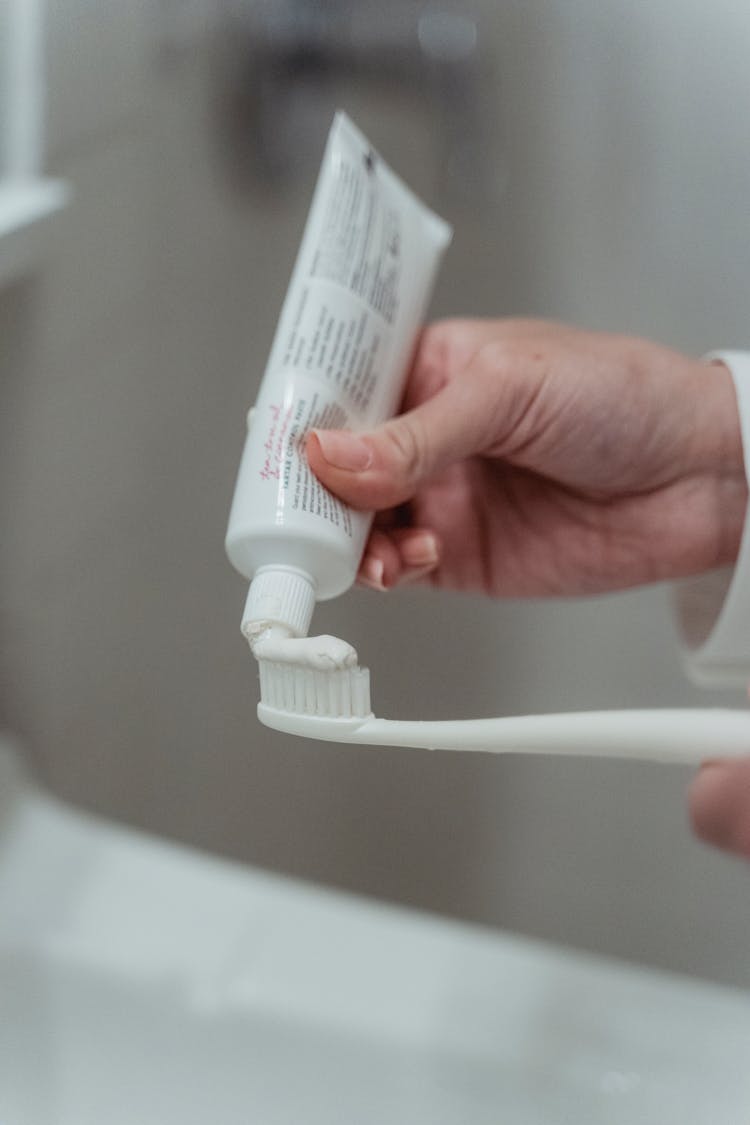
(333, 705)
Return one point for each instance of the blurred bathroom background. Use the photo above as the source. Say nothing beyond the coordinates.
(594, 158)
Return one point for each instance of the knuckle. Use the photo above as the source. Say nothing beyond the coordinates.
(408, 448)
(494, 356)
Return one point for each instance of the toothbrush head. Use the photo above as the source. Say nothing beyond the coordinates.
(309, 701)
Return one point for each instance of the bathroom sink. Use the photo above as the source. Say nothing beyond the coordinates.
(142, 982)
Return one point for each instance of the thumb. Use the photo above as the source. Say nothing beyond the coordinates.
(384, 467)
(720, 804)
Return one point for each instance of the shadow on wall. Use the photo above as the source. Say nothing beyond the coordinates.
(282, 70)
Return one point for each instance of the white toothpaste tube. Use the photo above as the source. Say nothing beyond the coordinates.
(340, 356)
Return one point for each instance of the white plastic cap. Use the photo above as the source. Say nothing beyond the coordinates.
(279, 596)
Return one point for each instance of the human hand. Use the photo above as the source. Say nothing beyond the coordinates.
(537, 459)
(720, 804)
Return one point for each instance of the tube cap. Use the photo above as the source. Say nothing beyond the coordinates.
(279, 596)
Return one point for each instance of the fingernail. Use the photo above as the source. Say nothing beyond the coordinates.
(710, 780)
(420, 550)
(415, 574)
(344, 450)
(371, 574)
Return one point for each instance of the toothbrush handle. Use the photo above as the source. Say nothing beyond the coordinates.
(679, 735)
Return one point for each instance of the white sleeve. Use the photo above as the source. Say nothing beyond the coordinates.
(714, 610)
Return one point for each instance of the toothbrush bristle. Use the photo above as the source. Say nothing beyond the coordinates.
(341, 693)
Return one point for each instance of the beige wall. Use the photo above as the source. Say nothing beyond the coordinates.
(126, 367)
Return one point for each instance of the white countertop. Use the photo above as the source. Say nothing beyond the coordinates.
(144, 983)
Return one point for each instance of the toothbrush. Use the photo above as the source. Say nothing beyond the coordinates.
(333, 705)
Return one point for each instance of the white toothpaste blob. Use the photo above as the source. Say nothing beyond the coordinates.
(323, 654)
